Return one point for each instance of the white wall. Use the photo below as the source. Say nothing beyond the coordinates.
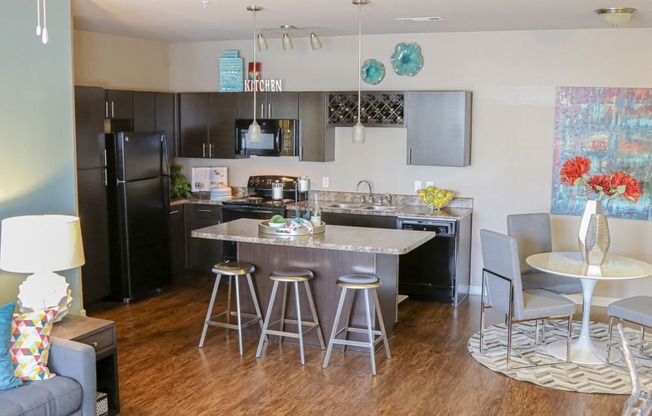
(512, 75)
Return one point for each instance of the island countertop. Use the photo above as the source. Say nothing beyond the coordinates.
(356, 239)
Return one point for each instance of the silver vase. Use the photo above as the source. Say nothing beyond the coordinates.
(593, 237)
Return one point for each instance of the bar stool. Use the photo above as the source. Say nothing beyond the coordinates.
(294, 276)
(232, 270)
(367, 283)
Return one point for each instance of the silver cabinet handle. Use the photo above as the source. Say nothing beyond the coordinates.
(210, 150)
(112, 109)
(176, 211)
(269, 110)
(104, 157)
(106, 109)
(203, 150)
(262, 111)
(105, 180)
(204, 210)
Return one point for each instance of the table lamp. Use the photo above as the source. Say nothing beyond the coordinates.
(41, 245)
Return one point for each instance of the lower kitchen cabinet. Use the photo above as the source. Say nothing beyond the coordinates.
(374, 221)
(202, 254)
(333, 218)
(177, 239)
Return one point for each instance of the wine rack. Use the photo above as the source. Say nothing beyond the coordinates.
(378, 109)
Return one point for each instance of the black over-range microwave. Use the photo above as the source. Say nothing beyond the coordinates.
(278, 138)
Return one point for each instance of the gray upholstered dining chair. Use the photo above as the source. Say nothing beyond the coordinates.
(636, 310)
(533, 235)
(501, 277)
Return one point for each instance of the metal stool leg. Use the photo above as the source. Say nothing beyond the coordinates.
(283, 307)
(372, 353)
(313, 310)
(640, 347)
(239, 316)
(210, 310)
(611, 326)
(347, 321)
(300, 329)
(383, 334)
(267, 318)
(255, 299)
(228, 305)
(334, 330)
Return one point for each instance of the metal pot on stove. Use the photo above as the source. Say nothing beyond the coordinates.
(277, 190)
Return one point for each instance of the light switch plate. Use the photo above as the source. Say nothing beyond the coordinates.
(430, 183)
(325, 182)
(417, 185)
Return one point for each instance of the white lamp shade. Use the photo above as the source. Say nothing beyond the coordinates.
(262, 42)
(41, 243)
(315, 42)
(287, 42)
(254, 132)
(358, 133)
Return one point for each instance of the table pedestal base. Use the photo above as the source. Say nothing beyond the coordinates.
(584, 352)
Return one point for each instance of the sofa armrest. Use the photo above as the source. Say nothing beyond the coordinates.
(76, 361)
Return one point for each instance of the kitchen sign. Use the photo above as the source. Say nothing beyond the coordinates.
(263, 85)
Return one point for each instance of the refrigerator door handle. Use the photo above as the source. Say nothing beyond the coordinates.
(165, 168)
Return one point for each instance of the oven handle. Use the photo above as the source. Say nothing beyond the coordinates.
(279, 134)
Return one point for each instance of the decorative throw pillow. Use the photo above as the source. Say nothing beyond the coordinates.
(30, 344)
(8, 379)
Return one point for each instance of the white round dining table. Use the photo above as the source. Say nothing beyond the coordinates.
(570, 264)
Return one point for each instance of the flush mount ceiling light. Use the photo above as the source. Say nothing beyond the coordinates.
(205, 3)
(286, 39)
(358, 129)
(616, 16)
(418, 19)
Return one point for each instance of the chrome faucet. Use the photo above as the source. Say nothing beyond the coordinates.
(357, 187)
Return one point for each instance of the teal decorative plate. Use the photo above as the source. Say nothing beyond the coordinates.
(372, 71)
(407, 59)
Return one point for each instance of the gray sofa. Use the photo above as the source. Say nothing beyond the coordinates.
(71, 392)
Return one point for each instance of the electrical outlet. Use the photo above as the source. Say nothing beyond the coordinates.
(430, 183)
(417, 185)
(325, 182)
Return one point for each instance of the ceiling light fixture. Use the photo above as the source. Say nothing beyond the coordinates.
(286, 39)
(42, 31)
(418, 19)
(254, 129)
(358, 129)
(205, 3)
(616, 16)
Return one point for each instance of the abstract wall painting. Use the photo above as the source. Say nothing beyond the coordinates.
(613, 128)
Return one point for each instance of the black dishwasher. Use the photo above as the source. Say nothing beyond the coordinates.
(429, 271)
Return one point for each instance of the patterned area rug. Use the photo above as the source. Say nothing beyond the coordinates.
(539, 367)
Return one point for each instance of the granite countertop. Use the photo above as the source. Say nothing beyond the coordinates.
(373, 240)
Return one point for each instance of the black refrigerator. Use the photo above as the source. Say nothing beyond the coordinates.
(139, 206)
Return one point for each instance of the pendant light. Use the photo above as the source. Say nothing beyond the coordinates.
(42, 31)
(358, 129)
(254, 129)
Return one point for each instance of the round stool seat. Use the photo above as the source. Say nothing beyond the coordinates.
(292, 275)
(233, 268)
(358, 281)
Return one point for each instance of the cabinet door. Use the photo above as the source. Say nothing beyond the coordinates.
(374, 221)
(89, 126)
(166, 120)
(120, 104)
(177, 235)
(94, 220)
(282, 105)
(333, 218)
(144, 111)
(246, 105)
(202, 254)
(222, 111)
(316, 144)
(193, 124)
(438, 128)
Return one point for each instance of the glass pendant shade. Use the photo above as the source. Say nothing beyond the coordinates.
(315, 42)
(254, 132)
(262, 42)
(287, 42)
(358, 133)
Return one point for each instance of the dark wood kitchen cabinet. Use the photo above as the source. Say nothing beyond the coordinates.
(207, 125)
(119, 105)
(316, 143)
(177, 240)
(278, 105)
(155, 111)
(359, 220)
(91, 192)
(202, 254)
(438, 128)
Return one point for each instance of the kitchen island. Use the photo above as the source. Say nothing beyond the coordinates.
(338, 251)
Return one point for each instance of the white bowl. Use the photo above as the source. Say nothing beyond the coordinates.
(277, 224)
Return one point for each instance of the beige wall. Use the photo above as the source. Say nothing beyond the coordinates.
(513, 76)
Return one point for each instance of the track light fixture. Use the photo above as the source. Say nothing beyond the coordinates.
(286, 39)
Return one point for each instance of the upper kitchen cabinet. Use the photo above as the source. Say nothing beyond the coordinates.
(119, 105)
(89, 126)
(165, 119)
(316, 143)
(438, 128)
(278, 105)
(207, 125)
(144, 111)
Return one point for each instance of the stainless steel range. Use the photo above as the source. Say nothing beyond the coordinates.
(267, 195)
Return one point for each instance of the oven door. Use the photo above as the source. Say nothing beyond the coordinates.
(234, 212)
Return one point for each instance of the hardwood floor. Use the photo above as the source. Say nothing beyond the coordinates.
(162, 372)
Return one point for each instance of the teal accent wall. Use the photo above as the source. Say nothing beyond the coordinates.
(37, 153)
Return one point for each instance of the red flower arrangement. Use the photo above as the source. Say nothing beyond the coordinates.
(618, 184)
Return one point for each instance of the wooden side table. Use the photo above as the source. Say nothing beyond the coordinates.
(101, 335)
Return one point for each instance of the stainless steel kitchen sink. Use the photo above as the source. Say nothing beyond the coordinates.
(346, 206)
(381, 207)
(353, 205)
